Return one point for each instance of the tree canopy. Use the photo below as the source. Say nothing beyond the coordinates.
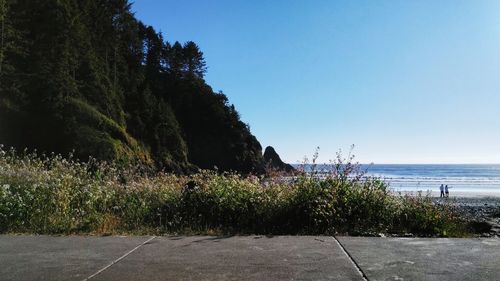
(86, 75)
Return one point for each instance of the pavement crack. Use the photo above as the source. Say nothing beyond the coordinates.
(358, 268)
(119, 259)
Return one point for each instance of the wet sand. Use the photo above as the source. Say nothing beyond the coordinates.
(481, 194)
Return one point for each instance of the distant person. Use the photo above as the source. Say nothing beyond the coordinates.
(446, 191)
(441, 188)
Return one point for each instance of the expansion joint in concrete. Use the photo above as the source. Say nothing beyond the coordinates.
(363, 275)
(119, 259)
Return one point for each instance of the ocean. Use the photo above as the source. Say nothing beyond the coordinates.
(464, 179)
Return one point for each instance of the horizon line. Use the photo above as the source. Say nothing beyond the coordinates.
(373, 163)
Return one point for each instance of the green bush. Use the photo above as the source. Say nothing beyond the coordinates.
(52, 194)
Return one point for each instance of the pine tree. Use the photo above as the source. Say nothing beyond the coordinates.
(87, 75)
(3, 17)
(175, 59)
(193, 60)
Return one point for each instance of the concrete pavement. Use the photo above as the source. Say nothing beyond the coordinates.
(430, 259)
(246, 258)
(174, 258)
(59, 258)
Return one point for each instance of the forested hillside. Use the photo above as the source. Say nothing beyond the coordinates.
(86, 75)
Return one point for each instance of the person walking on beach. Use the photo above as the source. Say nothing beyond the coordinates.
(446, 191)
(441, 188)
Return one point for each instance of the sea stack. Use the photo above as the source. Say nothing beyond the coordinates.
(273, 160)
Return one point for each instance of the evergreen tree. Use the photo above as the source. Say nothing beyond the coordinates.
(175, 59)
(86, 75)
(194, 63)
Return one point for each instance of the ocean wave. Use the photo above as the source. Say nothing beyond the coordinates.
(438, 179)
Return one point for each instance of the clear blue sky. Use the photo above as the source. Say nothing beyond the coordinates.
(405, 81)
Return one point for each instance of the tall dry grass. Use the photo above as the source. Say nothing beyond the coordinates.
(53, 194)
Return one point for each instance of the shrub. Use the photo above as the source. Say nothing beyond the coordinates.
(52, 194)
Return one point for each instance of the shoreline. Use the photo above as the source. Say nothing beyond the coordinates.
(494, 195)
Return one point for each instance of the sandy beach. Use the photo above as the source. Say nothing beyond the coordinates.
(491, 195)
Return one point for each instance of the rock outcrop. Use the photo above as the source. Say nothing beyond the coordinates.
(273, 161)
